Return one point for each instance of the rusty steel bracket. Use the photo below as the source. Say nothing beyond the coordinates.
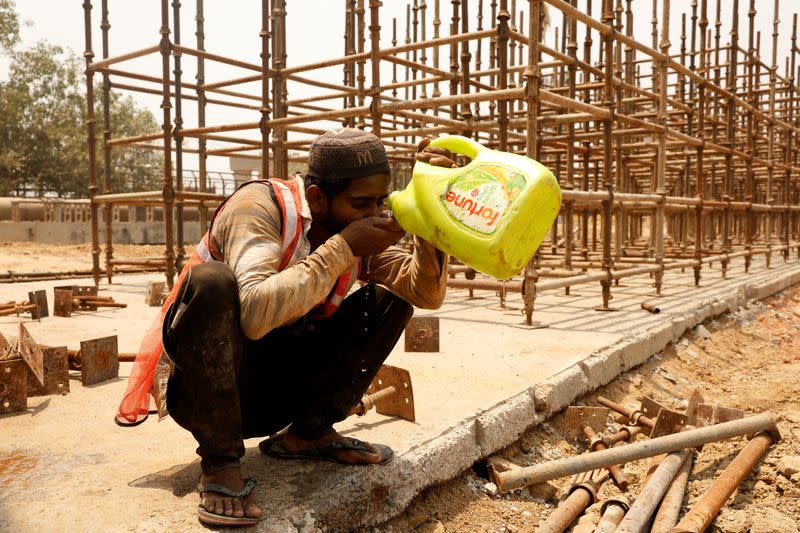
(62, 302)
(578, 417)
(422, 334)
(650, 408)
(56, 373)
(31, 353)
(708, 415)
(390, 393)
(78, 298)
(39, 299)
(155, 294)
(13, 386)
(666, 421)
(691, 407)
(5, 348)
(98, 360)
(64, 299)
(589, 423)
(36, 306)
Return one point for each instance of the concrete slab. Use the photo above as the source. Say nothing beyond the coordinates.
(488, 383)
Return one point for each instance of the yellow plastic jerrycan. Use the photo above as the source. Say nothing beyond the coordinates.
(491, 214)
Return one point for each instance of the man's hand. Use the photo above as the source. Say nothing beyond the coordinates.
(372, 235)
(438, 157)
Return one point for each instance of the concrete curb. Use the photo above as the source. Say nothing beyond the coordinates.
(375, 495)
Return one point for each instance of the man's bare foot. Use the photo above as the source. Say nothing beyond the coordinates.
(216, 503)
(293, 443)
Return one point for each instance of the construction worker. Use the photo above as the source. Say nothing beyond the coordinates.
(264, 313)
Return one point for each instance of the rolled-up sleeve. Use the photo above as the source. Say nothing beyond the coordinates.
(419, 277)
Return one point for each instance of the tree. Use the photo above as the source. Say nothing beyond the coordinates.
(9, 26)
(43, 134)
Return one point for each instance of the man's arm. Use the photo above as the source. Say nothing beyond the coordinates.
(248, 234)
(420, 278)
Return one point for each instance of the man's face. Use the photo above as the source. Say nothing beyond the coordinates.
(365, 197)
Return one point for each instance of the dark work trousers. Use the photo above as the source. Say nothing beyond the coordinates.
(226, 387)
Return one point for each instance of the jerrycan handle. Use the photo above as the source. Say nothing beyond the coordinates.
(459, 144)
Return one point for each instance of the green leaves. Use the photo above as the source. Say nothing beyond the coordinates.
(43, 136)
(9, 26)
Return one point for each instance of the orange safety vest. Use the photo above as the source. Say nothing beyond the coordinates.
(135, 404)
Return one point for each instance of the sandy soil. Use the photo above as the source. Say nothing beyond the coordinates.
(38, 257)
(750, 361)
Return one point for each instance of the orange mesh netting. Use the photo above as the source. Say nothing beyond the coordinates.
(135, 403)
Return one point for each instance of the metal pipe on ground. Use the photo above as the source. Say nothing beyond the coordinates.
(634, 416)
(625, 433)
(596, 444)
(638, 516)
(700, 516)
(651, 308)
(531, 475)
(670, 509)
(74, 356)
(582, 494)
(611, 514)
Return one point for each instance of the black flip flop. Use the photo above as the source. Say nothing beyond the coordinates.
(325, 452)
(213, 519)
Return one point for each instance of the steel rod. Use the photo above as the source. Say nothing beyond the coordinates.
(706, 508)
(638, 516)
(531, 475)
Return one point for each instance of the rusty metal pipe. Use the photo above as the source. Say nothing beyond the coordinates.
(596, 444)
(531, 475)
(651, 308)
(367, 402)
(484, 284)
(611, 514)
(560, 519)
(582, 494)
(667, 515)
(74, 356)
(626, 433)
(17, 310)
(96, 303)
(638, 516)
(704, 511)
(635, 417)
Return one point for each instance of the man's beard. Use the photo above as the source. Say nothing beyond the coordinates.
(331, 224)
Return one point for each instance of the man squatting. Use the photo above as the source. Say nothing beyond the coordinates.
(263, 316)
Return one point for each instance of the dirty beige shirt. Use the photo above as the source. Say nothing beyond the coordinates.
(248, 234)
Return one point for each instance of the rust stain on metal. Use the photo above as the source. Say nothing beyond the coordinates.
(56, 373)
(708, 415)
(62, 302)
(422, 334)
(31, 353)
(99, 360)
(576, 418)
(401, 401)
(13, 386)
(39, 299)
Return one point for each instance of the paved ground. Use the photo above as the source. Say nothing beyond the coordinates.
(486, 385)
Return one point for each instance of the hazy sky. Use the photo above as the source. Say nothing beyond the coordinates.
(314, 33)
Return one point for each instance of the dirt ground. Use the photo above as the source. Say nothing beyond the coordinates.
(750, 360)
(39, 257)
